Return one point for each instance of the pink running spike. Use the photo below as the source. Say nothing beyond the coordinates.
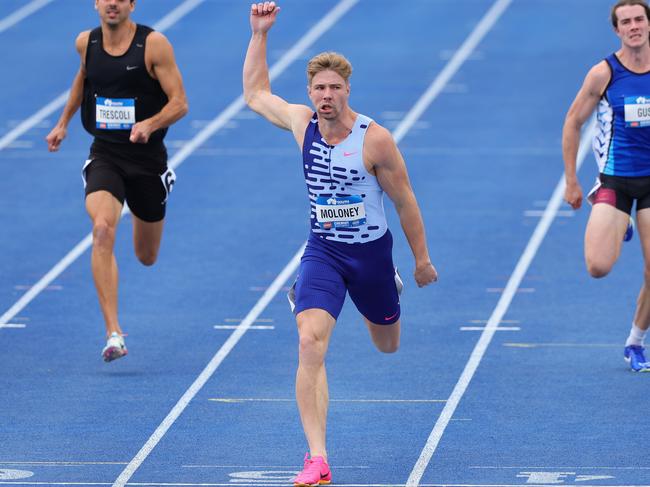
(315, 472)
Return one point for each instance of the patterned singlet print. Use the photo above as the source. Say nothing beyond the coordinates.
(346, 200)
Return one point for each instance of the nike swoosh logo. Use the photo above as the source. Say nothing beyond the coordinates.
(388, 318)
(131, 68)
(348, 154)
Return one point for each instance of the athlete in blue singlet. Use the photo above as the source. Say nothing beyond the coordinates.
(349, 161)
(619, 87)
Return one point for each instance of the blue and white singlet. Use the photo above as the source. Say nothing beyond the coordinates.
(346, 200)
(622, 141)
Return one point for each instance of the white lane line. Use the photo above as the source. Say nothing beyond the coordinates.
(62, 464)
(562, 345)
(254, 327)
(481, 328)
(538, 467)
(24, 11)
(378, 401)
(264, 467)
(259, 320)
(283, 483)
(13, 325)
(289, 57)
(561, 213)
(167, 21)
(502, 321)
(502, 306)
(519, 290)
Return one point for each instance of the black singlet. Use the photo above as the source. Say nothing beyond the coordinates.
(121, 77)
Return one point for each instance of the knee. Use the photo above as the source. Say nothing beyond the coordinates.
(597, 272)
(103, 235)
(387, 345)
(311, 349)
(146, 257)
(598, 269)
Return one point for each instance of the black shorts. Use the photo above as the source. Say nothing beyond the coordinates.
(620, 192)
(143, 180)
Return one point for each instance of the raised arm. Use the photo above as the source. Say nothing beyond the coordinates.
(382, 155)
(159, 58)
(60, 130)
(582, 107)
(257, 86)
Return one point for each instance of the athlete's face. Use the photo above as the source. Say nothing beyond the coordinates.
(329, 94)
(632, 26)
(114, 12)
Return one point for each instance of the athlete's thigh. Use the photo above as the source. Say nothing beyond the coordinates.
(103, 207)
(147, 235)
(371, 282)
(386, 336)
(104, 188)
(604, 234)
(146, 195)
(643, 229)
(319, 285)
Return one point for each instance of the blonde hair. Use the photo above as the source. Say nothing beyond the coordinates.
(329, 61)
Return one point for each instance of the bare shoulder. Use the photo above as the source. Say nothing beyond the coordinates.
(598, 77)
(158, 44)
(300, 115)
(378, 141)
(379, 148)
(81, 42)
(158, 39)
(299, 118)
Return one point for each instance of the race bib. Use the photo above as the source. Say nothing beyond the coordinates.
(115, 113)
(637, 111)
(336, 212)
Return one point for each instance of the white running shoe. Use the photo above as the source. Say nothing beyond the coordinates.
(115, 348)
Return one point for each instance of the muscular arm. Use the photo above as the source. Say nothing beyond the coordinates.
(160, 61)
(383, 157)
(582, 107)
(60, 130)
(257, 86)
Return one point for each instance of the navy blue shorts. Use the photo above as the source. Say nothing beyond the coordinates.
(365, 270)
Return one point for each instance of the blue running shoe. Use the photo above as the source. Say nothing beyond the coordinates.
(629, 233)
(635, 356)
